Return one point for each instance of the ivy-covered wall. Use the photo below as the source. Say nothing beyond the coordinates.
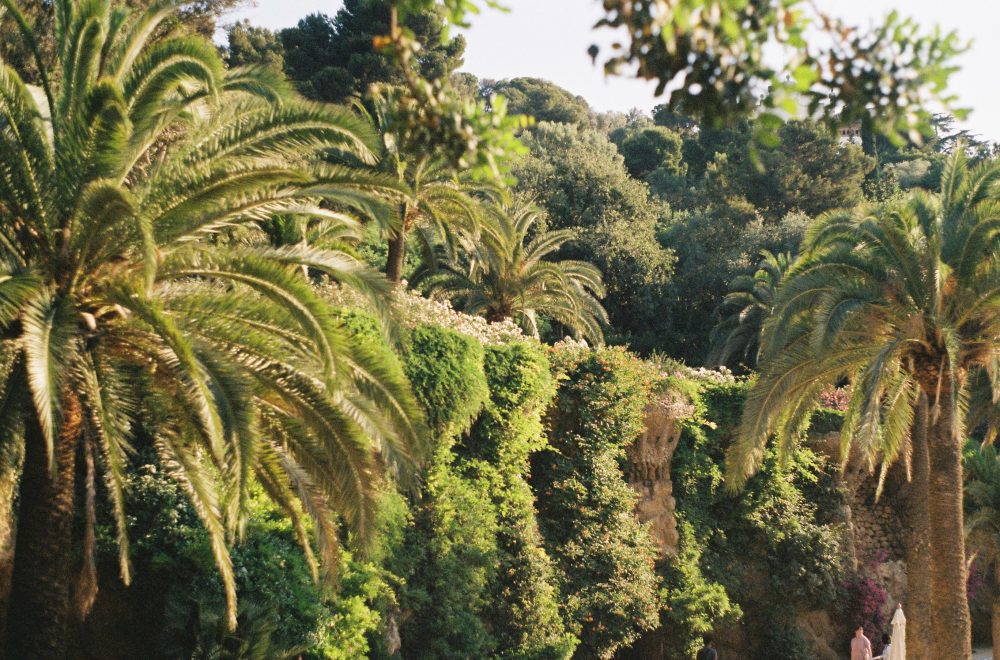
(604, 556)
(519, 540)
(479, 583)
(751, 563)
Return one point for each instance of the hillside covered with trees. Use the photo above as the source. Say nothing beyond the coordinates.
(314, 344)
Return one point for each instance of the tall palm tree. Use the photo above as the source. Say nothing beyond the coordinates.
(743, 311)
(121, 298)
(982, 491)
(902, 300)
(439, 204)
(505, 272)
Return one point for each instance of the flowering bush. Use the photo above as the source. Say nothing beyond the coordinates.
(675, 370)
(835, 398)
(412, 310)
(865, 602)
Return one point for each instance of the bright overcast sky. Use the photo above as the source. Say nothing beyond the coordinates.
(549, 39)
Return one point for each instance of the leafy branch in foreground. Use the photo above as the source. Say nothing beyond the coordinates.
(710, 55)
(432, 118)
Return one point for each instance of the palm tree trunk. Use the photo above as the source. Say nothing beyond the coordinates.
(995, 621)
(918, 546)
(952, 629)
(11, 459)
(39, 600)
(397, 258)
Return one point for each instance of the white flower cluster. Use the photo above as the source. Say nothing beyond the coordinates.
(570, 343)
(720, 375)
(412, 309)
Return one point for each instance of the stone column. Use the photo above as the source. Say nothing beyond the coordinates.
(650, 468)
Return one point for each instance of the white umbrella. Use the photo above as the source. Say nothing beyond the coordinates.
(898, 650)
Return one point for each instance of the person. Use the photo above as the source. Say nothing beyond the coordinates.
(708, 651)
(861, 646)
(886, 647)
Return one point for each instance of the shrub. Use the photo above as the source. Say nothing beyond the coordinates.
(445, 370)
(864, 603)
(605, 559)
(284, 609)
(768, 546)
(522, 609)
(478, 582)
(447, 560)
(695, 604)
(448, 554)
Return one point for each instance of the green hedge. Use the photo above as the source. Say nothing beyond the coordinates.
(604, 557)
(477, 581)
(522, 608)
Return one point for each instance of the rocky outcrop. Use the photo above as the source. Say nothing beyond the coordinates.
(822, 635)
(649, 475)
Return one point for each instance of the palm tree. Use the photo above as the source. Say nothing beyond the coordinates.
(901, 300)
(439, 203)
(121, 298)
(982, 494)
(743, 311)
(504, 273)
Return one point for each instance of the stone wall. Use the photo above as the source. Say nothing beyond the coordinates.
(873, 528)
(874, 524)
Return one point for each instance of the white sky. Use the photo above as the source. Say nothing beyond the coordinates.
(549, 39)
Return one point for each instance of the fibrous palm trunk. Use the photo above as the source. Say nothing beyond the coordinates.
(397, 258)
(397, 245)
(995, 621)
(918, 546)
(39, 601)
(951, 628)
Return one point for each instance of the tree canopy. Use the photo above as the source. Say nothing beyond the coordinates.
(333, 58)
(580, 179)
(541, 99)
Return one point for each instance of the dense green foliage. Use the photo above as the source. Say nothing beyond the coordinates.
(451, 548)
(982, 518)
(544, 101)
(769, 551)
(181, 613)
(731, 209)
(652, 153)
(808, 170)
(579, 178)
(249, 45)
(182, 399)
(605, 558)
(333, 58)
(523, 610)
(478, 580)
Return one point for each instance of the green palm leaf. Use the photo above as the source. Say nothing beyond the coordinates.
(136, 281)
